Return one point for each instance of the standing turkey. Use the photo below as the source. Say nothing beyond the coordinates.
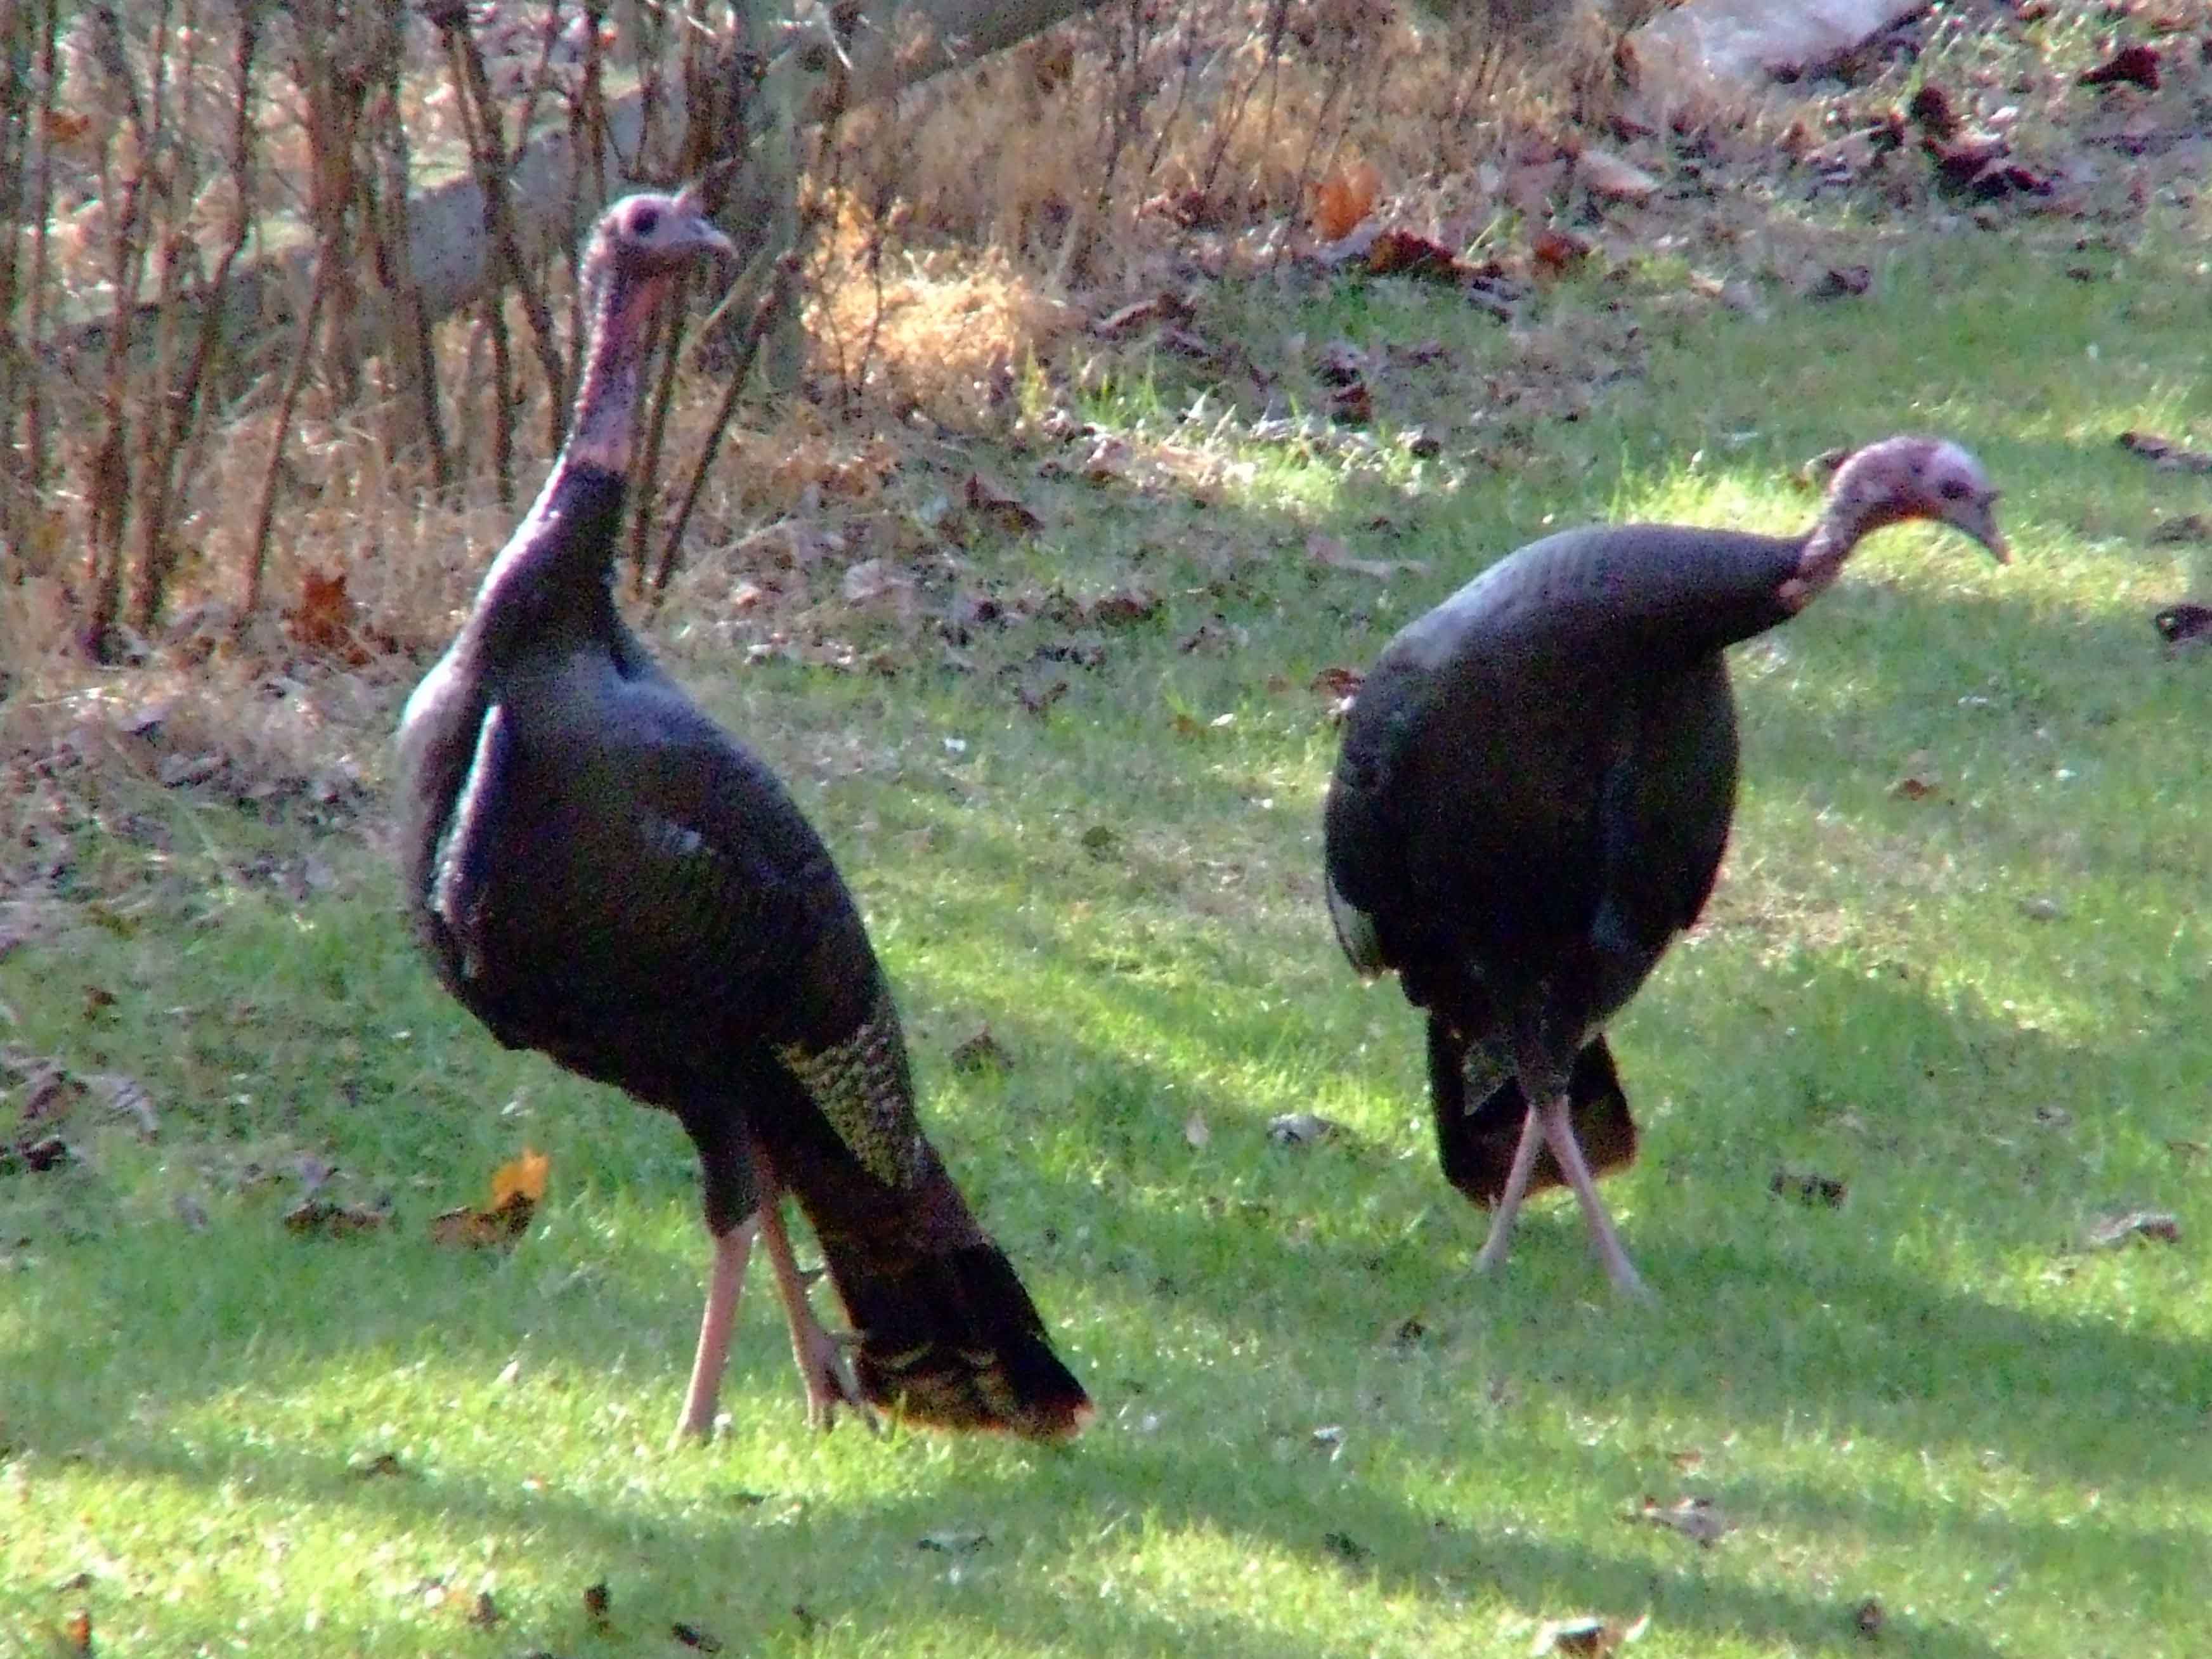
(1536, 788)
(600, 872)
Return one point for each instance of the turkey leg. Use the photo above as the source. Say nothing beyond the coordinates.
(733, 1249)
(823, 1365)
(1559, 1132)
(1517, 1188)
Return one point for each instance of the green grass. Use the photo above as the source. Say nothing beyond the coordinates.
(1931, 1396)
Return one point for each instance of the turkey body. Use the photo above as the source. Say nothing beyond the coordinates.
(1534, 791)
(600, 872)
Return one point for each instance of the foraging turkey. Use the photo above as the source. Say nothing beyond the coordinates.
(1536, 788)
(601, 873)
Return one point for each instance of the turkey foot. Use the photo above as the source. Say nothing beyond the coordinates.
(1559, 1131)
(823, 1367)
(724, 1280)
(1553, 1123)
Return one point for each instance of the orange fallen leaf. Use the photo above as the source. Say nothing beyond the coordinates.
(1344, 198)
(516, 1188)
(1557, 251)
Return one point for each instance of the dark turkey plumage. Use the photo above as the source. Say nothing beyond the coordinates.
(601, 873)
(1535, 788)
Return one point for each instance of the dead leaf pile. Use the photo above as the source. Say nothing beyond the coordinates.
(517, 1188)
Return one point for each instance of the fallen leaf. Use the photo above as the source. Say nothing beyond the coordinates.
(2163, 451)
(2183, 627)
(383, 1463)
(1195, 1131)
(1557, 251)
(1400, 253)
(98, 999)
(1612, 177)
(1328, 550)
(1696, 1518)
(953, 1542)
(1839, 282)
(1344, 198)
(2124, 1227)
(1588, 1636)
(1302, 1129)
(1920, 779)
(595, 1602)
(2189, 527)
(1867, 1618)
(1339, 682)
(47, 1152)
(1807, 1188)
(1108, 462)
(2135, 65)
(127, 1097)
(982, 1053)
(1352, 406)
(322, 617)
(995, 503)
(485, 1614)
(1163, 306)
(692, 1637)
(78, 1631)
(320, 1216)
(521, 1177)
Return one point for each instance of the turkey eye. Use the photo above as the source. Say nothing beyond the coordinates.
(644, 221)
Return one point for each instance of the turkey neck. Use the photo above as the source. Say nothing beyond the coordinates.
(559, 563)
(1848, 520)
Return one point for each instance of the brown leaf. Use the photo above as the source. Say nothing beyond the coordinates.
(1163, 306)
(1612, 177)
(1588, 1637)
(98, 999)
(1921, 780)
(2184, 627)
(596, 1602)
(323, 619)
(1343, 683)
(2165, 452)
(1807, 1188)
(1695, 1518)
(47, 1152)
(1108, 462)
(2124, 1227)
(1396, 253)
(1120, 606)
(691, 1637)
(2189, 527)
(992, 501)
(1352, 406)
(320, 1216)
(1840, 283)
(1344, 198)
(1557, 251)
(2135, 65)
(485, 1614)
(1868, 1617)
(76, 1631)
(1328, 551)
(982, 1053)
(382, 1464)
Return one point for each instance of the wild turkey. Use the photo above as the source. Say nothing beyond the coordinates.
(1536, 788)
(600, 872)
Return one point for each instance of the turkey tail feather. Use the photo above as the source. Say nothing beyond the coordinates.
(954, 1341)
(1477, 1146)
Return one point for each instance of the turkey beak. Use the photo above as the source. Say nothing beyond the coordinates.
(701, 233)
(1978, 518)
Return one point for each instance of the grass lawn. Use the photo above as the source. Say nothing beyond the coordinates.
(1933, 1420)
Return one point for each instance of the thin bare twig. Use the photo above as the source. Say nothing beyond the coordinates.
(774, 298)
(294, 377)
